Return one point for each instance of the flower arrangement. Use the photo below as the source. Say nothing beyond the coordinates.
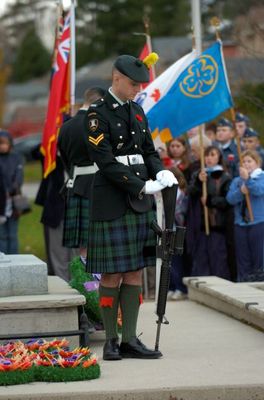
(47, 361)
(87, 285)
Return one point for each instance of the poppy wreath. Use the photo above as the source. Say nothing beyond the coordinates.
(87, 285)
(45, 361)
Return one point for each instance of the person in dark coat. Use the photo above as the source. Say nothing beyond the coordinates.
(11, 165)
(80, 169)
(3, 198)
(50, 198)
(210, 254)
(120, 241)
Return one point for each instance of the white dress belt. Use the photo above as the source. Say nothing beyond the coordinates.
(77, 171)
(131, 159)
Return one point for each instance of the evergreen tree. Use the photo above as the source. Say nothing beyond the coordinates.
(32, 60)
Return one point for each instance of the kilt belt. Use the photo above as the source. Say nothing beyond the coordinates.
(131, 159)
(77, 171)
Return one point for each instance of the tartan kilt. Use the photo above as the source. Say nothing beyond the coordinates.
(121, 245)
(76, 222)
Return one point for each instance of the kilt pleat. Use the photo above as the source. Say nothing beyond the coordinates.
(119, 245)
(76, 222)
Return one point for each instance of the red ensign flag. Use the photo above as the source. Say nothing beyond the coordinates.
(59, 98)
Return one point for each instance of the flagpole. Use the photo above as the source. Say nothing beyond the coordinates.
(215, 22)
(197, 42)
(72, 57)
(148, 41)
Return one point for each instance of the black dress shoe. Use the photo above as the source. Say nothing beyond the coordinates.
(111, 350)
(135, 349)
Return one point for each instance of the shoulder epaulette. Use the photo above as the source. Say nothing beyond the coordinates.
(98, 103)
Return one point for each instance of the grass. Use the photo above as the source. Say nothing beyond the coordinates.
(30, 233)
(32, 171)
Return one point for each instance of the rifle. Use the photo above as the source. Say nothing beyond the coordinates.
(171, 242)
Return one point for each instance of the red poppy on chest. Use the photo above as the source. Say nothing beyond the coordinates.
(139, 117)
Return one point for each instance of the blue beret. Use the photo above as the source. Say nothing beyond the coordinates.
(241, 118)
(224, 122)
(250, 132)
(132, 67)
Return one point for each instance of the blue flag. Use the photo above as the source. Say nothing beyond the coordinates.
(200, 94)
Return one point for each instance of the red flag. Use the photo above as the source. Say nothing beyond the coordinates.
(59, 98)
(144, 53)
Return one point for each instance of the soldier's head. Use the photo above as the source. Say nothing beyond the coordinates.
(92, 94)
(224, 131)
(250, 139)
(128, 74)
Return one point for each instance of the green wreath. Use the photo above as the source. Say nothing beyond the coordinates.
(78, 279)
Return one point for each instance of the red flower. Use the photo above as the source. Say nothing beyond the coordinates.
(139, 117)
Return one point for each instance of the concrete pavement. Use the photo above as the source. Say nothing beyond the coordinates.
(30, 189)
(207, 356)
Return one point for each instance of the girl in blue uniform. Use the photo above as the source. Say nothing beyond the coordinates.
(249, 235)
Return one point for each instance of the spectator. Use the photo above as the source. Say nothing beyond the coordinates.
(251, 142)
(179, 266)
(217, 181)
(242, 122)
(210, 131)
(50, 198)
(249, 235)
(179, 152)
(3, 197)
(12, 168)
(224, 140)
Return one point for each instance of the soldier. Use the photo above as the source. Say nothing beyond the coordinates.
(120, 242)
(81, 170)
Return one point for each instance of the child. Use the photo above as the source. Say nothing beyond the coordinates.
(12, 168)
(177, 290)
(210, 251)
(249, 235)
(178, 152)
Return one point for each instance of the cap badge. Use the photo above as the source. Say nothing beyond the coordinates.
(93, 124)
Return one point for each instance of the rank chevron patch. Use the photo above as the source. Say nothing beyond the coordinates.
(97, 140)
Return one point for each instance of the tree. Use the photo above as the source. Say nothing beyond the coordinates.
(32, 60)
(112, 23)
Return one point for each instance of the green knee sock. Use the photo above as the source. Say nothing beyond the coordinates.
(109, 299)
(130, 299)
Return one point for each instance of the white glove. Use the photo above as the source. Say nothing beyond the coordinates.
(166, 178)
(152, 187)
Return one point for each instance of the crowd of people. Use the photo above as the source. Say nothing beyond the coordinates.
(227, 195)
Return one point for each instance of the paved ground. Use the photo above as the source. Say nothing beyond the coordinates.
(207, 356)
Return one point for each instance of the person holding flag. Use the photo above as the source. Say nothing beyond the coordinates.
(120, 240)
